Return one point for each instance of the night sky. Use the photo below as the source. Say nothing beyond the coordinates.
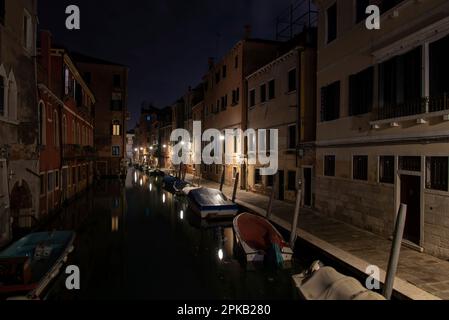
(166, 44)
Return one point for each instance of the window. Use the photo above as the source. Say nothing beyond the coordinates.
(50, 181)
(67, 86)
(57, 179)
(224, 71)
(235, 96)
(439, 69)
(64, 130)
(257, 177)
(330, 102)
(116, 128)
(291, 139)
(437, 173)
(252, 98)
(332, 23)
(329, 166)
(292, 80)
(2, 97)
(116, 101)
(386, 169)
(55, 129)
(235, 143)
(117, 81)
(360, 10)
(27, 31)
(116, 151)
(42, 184)
(361, 92)
(263, 93)
(360, 168)
(400, 85)
(271, 89)
(291, 181)
(2, 12)
(410, 164)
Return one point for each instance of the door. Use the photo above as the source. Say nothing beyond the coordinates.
(411, 196)
(307, 187)
(281, 184)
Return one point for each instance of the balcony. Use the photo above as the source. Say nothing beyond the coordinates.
(419, 111)
(75, 151)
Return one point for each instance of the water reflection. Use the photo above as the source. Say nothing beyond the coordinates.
(136, 241)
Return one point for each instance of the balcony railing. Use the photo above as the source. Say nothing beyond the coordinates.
(76, 151)
(411, 108)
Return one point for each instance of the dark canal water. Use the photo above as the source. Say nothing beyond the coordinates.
(137, 241)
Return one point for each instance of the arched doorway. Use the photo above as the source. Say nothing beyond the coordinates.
(21, 207)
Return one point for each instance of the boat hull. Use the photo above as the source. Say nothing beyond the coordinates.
(211, 204)
(252, 254)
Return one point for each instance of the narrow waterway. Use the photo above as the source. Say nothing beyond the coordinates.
(137, 241)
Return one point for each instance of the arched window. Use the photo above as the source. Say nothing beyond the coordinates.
(64, 130)
(42, 123)
(73, 132)
(55, 129)
(12, 97)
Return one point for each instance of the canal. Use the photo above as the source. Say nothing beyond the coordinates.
(137, 241)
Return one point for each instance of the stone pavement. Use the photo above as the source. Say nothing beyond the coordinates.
(420, 276)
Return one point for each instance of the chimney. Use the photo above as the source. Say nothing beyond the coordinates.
(46, 54)
(210, 62)
(247, 34)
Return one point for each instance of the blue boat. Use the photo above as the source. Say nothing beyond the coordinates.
(173, 185)
(29, 265)
(211, 203)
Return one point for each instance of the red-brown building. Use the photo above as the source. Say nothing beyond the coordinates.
(66, 109)
(109, 83)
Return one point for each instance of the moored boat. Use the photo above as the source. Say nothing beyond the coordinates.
(258, 238)
(325, 283)
(211, 203)
(29, 265)
(173, 184)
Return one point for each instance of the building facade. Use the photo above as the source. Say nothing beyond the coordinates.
(19, 166)
(225, 100)
(66, 118)
(383, 118)
(109, 83)
(274, 93)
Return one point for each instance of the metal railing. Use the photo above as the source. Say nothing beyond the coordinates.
(414, 107)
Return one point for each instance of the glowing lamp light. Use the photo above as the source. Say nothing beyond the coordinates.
(164, 146)
(141, 182)
(220, 254)
(182, 143)
(151, 148)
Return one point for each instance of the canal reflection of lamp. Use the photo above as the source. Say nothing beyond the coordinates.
(163, 198)
(220, 254)
(151, 187)
(181, 215)
(141, 182)
(135, 177)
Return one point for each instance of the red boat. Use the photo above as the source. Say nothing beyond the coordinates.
(257, 236)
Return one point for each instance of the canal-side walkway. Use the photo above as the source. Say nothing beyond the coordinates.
(420, 276)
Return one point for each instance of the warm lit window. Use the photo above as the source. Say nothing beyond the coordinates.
(116, 128)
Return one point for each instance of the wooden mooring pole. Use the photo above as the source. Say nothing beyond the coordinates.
(236, 183)
(293, 234)
(273, 193)
(222, 178)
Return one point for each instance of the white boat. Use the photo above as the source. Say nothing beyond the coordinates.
(257, 236)
(211, 203)
(325, 283)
